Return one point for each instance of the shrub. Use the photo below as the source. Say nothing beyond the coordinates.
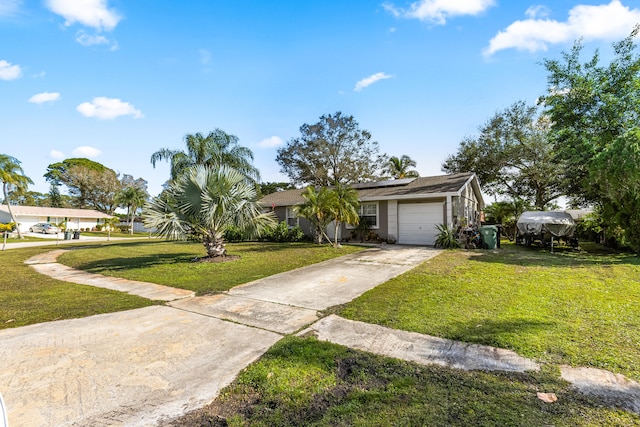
(7, 228)
(447, 238)
(282, 233)
(233, 234)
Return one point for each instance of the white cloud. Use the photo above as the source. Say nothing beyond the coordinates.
(273, 141)
(89, 40)
(8, 71)
(41, 98)
(205, 56)
(108, 108)
(537, 11)
(86, 151)
(604, 22)
(90, 13)
(367, 81)
(9, 7)
(437, 11)
(57, 155)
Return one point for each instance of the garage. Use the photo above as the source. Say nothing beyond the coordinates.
(417, 222)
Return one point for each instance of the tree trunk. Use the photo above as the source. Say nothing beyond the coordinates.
(6, 199)
(214, 246)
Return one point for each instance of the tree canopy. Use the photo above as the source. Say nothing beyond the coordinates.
(595, 115)
(204, 202)
(91, 184)
(332, 151)
(400, 167)
(216, 149)
(13, 179)
(513, 157)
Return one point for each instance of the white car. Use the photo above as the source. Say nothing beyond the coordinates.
(44, 228)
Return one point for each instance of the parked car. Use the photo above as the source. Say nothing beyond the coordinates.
(44, 228)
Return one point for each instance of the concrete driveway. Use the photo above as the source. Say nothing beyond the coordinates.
(138, 367)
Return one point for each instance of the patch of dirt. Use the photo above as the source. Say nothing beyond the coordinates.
(226, 258)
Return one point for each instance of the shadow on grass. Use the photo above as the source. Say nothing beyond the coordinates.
(489, 331)
(120, 263)
(535, 256)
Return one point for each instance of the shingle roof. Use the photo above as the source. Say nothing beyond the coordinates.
(57, 212)
(424, 186)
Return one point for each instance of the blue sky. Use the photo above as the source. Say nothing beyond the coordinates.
(115, 80)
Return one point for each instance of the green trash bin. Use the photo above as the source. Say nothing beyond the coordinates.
(67, 235)
(489, 236)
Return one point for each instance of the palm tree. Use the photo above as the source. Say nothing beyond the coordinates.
(132, 198)
(318, 208)
(204, 202)
(344, 208)
(216, 149)
(398, 168)
(13, 178)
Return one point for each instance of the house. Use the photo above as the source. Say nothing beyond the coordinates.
(405, 211)
(76, 219)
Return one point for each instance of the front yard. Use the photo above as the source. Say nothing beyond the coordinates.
(580, 309)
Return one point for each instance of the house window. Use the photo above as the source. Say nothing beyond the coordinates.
(292, 219)
(369, 213)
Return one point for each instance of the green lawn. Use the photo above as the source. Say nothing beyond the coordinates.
(28, 297)
(171, 263)
(581, 309)
(303, 382)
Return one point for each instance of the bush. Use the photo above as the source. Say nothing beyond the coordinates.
(7, 228)
(282, 233)
(447, 238)
(233, 234)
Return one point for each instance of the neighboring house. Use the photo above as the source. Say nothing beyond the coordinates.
(403, 210)
(76, 219)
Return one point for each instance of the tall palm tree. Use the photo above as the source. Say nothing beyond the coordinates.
(132, 198)
(344, 208)
(13, 178)
(399, 168)
(205, 201)
(318, 209)
(215, 149)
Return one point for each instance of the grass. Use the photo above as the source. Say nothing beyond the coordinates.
(301, 381)
(581, 309)
(27, 297)
(171, 263)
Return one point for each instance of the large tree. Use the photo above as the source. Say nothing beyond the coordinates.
(204, 202)
(512, 156)
(216, 149)
(331, 151)
(595, 115)
(400, 167)
(90, 184)
(13, 179)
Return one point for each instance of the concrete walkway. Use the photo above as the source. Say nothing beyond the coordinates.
(142, 366)
(138, 367)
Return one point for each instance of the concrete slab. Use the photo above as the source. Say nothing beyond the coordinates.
(615, 389)
(283, 319)
(416, 347)
(336, 281)
(122, 369)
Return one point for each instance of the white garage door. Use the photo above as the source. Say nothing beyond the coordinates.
(417, 223)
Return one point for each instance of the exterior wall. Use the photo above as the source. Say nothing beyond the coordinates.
(466, 208)
(24, 222)
(392, 220)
